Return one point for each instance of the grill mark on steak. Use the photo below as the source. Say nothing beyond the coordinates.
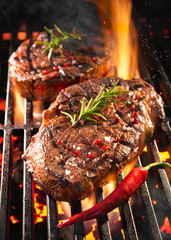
(33, 74)
(68, 176)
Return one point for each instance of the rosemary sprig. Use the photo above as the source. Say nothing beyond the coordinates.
(58, 40)
(104, 98)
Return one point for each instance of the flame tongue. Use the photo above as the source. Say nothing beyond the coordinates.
(125, 37)
(116, 19)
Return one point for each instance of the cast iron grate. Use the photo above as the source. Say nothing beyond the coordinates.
(127, 215)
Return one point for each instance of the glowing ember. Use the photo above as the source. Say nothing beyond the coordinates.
(154, 201)
(60, 210)
(6, 36)
(164, 156)
(145, 149)
(166, 226)
(40, 210)
(1, 140)
(90, 235)
(14, 220)
(21, 35)
(2, 104)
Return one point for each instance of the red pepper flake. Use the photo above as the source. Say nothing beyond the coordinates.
(59, 141)
(71, 57)
(82, 79)
(80, 61)
(136, 120)
(165, 31)
(151, 33)
(91, 156)
(142, 92)
(66, 64)
(94, 59)
(117, 119)
(135, 114)
(105, 147)
(85, 48)
(97, 141)
(45, 72)
(76, 152)
(55, 68)
(67, 54)
(99, 118)
(123, 98)
(137, 95)
(117, 139)
(74, 31)
(132, 107)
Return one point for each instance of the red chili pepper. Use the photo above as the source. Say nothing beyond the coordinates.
(118, 197)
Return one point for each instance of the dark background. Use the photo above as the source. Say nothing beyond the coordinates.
(77, 13)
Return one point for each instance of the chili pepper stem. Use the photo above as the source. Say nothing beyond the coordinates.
(151, 165)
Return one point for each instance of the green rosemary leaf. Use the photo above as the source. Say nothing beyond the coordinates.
(100, 115)
(58, 40)
(73, 118)
(58, 30)
(92, 119)
(104, 98)
(50, 53)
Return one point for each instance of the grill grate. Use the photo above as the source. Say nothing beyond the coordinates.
(129, 223)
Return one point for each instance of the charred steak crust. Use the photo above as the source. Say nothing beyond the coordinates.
(59, 155)
(34, 76)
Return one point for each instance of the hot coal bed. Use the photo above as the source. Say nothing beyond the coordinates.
(144, 215)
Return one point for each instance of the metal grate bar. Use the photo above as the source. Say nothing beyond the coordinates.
(6, 165)
(27, 228)
(127, 216)
(51, 218)
(79, 233)
(5, 179)
(102, 222)
(150, 216)
(164, 179)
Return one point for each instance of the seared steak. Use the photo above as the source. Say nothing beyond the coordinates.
(38, 78)
(69, 162)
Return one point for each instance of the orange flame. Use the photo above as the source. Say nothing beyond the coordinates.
(18, 108)
(122, 231)
(125, 38)
(116, 19)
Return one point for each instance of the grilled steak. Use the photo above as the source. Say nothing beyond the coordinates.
(38, 78)
(69, 162)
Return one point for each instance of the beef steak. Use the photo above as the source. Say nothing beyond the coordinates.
(38, 78)
(69, 162)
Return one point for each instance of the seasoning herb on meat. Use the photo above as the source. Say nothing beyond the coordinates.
(40, 76)
(70, 162)
(104, 98)
(64, 38)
